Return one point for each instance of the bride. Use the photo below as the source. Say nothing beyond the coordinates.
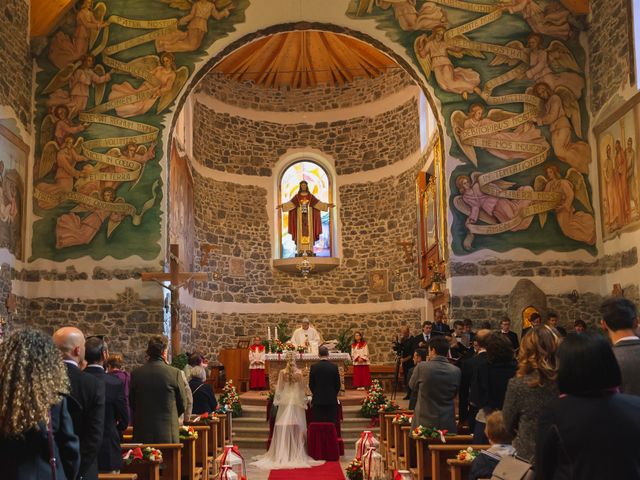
(288, 444)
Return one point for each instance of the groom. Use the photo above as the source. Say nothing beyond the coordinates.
(324, 383)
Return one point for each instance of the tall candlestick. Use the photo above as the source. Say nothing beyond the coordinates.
(269, 333)
(276, 333)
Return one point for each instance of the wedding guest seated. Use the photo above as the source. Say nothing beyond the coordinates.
(116, 417)
(204, 400)
(553, 323)
(194, 360)
(579, 326)
(33, 385)
(500, 440)
(114, 368)
(591, 431)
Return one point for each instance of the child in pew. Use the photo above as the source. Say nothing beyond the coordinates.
(500, 440)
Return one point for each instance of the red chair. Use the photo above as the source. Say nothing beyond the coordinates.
(322, 441)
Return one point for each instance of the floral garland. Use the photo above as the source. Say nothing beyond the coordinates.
(429, 432)
(187, 432)
(373, 401)
(402, 419)
(141, 455)
(354, 470)
(389, 407)
(229, 401)
(467, 455)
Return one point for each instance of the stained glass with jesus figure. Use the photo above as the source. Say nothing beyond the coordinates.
(319, 186)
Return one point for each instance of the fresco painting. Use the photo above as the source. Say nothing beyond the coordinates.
(509, 78)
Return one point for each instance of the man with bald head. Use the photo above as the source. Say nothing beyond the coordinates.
(86, 400)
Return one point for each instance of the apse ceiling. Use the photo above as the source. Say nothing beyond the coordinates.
(302, 59)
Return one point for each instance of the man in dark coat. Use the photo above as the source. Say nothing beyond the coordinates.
(437, 382)
(324, 383)
(505, 329)
(116, 415)
(474, 380)
(157, 396)
(406, 346)
(86, 402)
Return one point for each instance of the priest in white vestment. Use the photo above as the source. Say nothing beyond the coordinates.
(306, 335)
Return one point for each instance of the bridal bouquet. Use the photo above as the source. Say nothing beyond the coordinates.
(373, 401)
(354, 470)
(467, 455)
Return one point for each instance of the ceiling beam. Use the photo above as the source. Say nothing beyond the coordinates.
(45, 15)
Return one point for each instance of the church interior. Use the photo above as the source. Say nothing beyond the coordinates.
(219, 170)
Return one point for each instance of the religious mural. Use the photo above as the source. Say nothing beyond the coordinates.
(509, 77)
(619, 170)
(108, 79)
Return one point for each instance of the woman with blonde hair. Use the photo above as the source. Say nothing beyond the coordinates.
(533, 387)
(36, 432)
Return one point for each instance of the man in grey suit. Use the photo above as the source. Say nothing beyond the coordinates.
(157, 396)
(437, 382)
(620, 320)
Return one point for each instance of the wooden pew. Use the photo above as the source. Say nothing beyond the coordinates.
(382, 435)
(118, 476)
(202, 449)
(189, 469)
(391, 445)
(399, 444)
(458, 470)
(423, 455)
(410, 459)
(171, 459)
(441, 453)
(140, 471)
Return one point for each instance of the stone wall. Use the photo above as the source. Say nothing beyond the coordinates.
(558, 268)
(374, 216)
(320, 98)
(127, 321)
(15, 58)
(217, 331)
(240, 145)
(609, 47)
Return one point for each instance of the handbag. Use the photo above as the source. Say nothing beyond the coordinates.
(52, 454)
(513, 468)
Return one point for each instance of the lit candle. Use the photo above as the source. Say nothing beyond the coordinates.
(276, 333)
(269, 333)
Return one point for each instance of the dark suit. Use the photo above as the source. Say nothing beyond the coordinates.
(513, 338)
(204, 400)
(407, 347)
(422, 341)
(627, 353)
(27, 457)
(116, 420)
(437, 382)
(441, 329)
(324, 383)
(157, 400)
(86, 406)
(589, 438)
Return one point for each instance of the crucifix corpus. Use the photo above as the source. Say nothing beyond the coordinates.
(177, 280)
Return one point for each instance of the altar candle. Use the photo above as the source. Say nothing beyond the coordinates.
(269, 333)
(276, 333)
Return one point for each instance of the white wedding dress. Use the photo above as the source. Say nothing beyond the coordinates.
(288, 443)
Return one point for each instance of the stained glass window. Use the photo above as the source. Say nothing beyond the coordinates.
(320, 187)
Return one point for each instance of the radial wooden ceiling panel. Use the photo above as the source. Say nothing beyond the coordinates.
(302, 59)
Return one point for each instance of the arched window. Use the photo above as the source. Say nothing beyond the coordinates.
(319, 185)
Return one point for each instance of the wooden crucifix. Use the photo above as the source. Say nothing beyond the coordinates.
(177, 280)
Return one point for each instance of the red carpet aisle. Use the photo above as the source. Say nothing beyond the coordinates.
(328, 471)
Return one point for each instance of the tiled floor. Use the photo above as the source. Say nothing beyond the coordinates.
(257, 474)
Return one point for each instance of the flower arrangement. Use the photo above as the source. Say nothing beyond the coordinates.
(402, 419)
(429, 432)
(277, 346)
(187, 432)
(289, 347)
(202, 418)
(301, 349)
(467, 455)
(388, 407)
(373, 401)
(354, 470)
(229, 401)
(139, 455)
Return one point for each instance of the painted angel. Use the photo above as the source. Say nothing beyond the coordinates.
(560, 111)
(79, 77)
(489, 209)
(64, 160)
(64, 50)
(554, 65)
(197, 25)
(577, 225)
(71, 229)
(475, 118)
(433, 54)
(409, 18)
(58, 126)
(553, 20)
(166, 83)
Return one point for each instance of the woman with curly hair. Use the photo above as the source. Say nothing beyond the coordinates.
(36, 432)
(533, 387)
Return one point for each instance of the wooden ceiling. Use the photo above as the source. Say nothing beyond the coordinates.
(45, 14)
(302, 59)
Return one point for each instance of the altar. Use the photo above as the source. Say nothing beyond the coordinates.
(276, 362)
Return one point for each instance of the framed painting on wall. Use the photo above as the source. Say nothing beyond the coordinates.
(14, 154)
(619, 170)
